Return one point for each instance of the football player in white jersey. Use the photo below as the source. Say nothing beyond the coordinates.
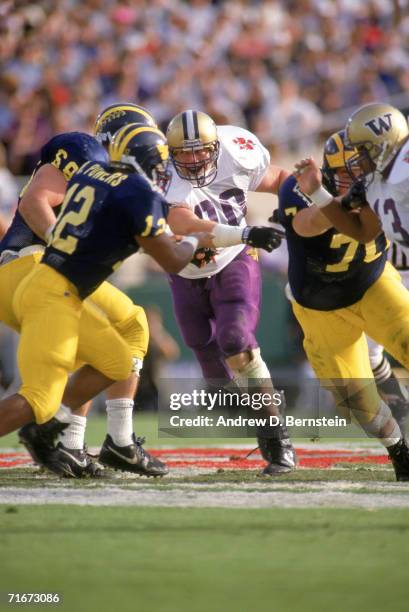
(380, 134)
(217, 298)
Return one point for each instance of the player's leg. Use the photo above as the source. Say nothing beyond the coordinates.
(121, 448)
(235, 299)
(195, 317)
(385, 308)
(44, 364)
(390, 389)
(340, 360)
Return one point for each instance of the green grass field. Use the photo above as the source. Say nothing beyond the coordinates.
(178, 560)
(194, 559)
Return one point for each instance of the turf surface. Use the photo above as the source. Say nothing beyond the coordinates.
(177, 560)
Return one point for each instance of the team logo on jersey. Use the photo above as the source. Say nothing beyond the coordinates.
(379, 125)
(244, 143)
(406, 158)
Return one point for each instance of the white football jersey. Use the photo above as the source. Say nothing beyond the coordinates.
(241, 165)
(390, 200)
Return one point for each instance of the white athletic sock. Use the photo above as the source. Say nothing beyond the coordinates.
(394, 438)
(120, 425)
(74, 435)
(63, 414)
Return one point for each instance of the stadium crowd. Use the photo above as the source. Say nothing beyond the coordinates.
(286, 69)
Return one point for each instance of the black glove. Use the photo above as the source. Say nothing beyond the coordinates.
(274, 217)
(203, 256)
(267, 238)
(356, 196)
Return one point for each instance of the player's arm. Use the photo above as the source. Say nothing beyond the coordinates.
(363, 226)
(183, 221)
(44, 192)
(171, 256)
(272, 179)
(310, 222)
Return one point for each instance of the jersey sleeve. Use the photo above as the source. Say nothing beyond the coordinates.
(290, 200)
(68, 152)
(178, 192)
(145, 211)
(247, 151)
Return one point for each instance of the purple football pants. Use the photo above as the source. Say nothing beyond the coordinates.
(218, 315)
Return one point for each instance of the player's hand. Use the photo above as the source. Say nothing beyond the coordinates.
(202, 257)
(267, 238)
(356, 196)
(205, 240)
(308, 175)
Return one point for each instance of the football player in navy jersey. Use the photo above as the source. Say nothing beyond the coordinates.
(340, 288)
(109, 211)
(38, 205)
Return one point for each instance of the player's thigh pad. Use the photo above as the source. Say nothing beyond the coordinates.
(11, 275)
(128, 319)
(101, 346)
(334, 343)
(385, 309)
(48, 308)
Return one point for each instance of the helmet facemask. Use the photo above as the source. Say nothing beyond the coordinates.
(201, 169)
(194, 147)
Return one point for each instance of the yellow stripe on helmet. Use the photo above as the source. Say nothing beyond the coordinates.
(125, 134)
(122, 107)
(338, 159)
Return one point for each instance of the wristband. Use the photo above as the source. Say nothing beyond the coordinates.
(321, 197)
(226, 235)
(192, 240)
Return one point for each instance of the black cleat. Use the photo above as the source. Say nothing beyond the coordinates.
(73, 463)
(399, 455)
(39, 440)
(132, 458)
(279, 454)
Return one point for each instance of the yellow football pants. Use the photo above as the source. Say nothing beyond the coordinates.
(111, 329)
(335, 343)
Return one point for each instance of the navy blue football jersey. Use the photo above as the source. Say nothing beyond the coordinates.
(331, 270)
(102, 212)
(67, 152)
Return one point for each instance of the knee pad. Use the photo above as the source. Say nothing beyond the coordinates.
(234, 338)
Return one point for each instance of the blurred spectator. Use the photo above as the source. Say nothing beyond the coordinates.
(275, 66)
(8, 193)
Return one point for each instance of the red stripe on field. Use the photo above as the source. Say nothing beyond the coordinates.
(232, 458)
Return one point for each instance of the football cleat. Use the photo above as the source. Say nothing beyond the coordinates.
(132, 458)
(399, 455)
(279, 454)
(73, 463)
(39, 440)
